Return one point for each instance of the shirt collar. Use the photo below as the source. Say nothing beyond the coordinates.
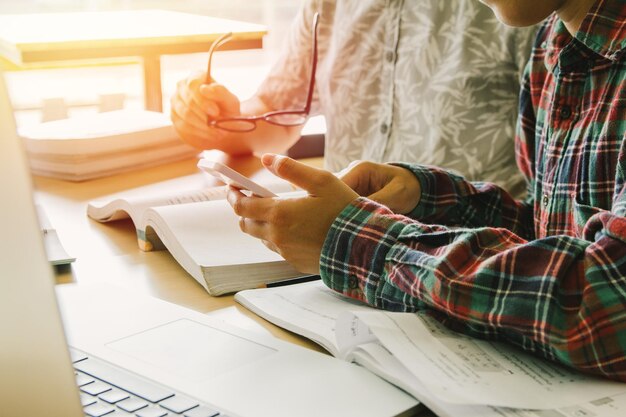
(603, 32)
(604, 29)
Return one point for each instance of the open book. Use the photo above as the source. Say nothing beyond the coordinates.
(452, 374)
(202, 233)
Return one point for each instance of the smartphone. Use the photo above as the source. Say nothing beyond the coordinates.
(231, 177)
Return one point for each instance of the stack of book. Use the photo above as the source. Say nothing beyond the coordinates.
(87, 147)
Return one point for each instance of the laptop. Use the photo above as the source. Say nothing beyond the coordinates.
(74, 349)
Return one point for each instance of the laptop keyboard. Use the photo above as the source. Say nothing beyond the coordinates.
(106, 390)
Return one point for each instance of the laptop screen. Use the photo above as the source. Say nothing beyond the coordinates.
(37, 377)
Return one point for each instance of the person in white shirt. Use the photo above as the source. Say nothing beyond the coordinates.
(429, 81)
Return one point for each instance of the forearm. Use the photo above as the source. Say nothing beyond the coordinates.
(447, 198)
(561, 297)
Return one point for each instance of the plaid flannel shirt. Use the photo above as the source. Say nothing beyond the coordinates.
(548, 273)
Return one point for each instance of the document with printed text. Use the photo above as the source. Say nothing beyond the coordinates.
(450, 373)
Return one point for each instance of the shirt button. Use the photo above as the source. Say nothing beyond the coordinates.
(384, 128)
(545, 200)
(353, 283)
(566, 112)
(390, 56)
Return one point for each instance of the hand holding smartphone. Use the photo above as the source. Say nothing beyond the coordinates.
(231, 177)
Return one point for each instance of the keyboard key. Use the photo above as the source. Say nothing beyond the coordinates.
(86, 399)
(96, 388)
(77, 356)
(202, 411)
(98, 409)
(178, 404)
(82, 379)
(120, 413)
(124, 380)
(151, 412)
(132, 404)
(113, 396)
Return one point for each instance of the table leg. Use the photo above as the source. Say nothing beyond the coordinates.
(152, 82)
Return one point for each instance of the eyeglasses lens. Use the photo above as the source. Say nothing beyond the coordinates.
(235, 125)
(287, 119)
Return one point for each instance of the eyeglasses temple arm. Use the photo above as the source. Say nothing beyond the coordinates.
(309, 98)
(216, 44)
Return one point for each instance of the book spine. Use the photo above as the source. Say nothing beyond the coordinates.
(143, 242)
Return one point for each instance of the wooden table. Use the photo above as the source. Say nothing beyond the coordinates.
(109, 252)
(148, 34)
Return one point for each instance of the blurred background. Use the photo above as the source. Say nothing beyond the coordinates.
(78, 88)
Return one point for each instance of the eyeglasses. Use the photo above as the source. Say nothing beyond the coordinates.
(292, 117)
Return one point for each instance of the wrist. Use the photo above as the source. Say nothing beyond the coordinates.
(412, 183)
(426, 186)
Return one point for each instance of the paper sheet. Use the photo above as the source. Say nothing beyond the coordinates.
(376, 357)
(310, 309)
(463, 370)
(351, 332)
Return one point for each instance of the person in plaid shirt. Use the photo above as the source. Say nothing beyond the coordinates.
(548, 273)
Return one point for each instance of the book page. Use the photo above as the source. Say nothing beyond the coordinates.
(314, 311)
(208, 232)
(377, 358)
(351, 332)
(309, 309)
(133, 203)
(148, 242)
(205, 238)
(463, 370)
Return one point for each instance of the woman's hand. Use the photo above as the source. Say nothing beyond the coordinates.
(390, 185)
(294, 227)
(195, 103)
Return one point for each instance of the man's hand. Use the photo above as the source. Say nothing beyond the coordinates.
(294, 227)
(392, 186)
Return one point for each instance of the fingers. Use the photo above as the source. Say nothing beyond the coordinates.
(253, 208)
(257, 229)
(385, 196)
(188, 93)
(194, 103)
(315, 181)
(193, 131)
(401, 194)
(252, 220)
(366, 177)
(220, 101)
(354, 176)
(188, 113)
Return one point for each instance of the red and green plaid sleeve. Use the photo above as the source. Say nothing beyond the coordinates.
(560, 296)
(448, 199)
(547, 274)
